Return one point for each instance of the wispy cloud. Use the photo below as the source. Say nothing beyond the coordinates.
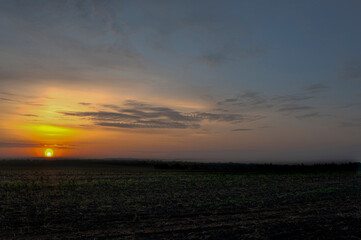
(149, 124)
(230, 53)
(242, 129)
(222, 117)
(310, 115)
(22, 99)
(351, 70)
(315, 88)
(213, 59)
(294, 107)
(85, 103)
(248, 99)
(102, 115)
(290, 98)
(134, 114)
(7, 93)
(16, 144)
(291, 104)
(350, 105)
(351, 123)
(111, 106)
(6, 99)
(84, 35)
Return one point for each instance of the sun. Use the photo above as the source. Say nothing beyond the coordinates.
(48, 153)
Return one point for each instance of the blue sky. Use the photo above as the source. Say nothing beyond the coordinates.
(261, 80)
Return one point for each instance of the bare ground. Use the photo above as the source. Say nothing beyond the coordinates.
(130, 204)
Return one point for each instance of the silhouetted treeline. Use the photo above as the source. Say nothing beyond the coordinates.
(262, 168)
(183, 166)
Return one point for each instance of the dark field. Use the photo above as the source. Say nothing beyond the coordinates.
(101, 201)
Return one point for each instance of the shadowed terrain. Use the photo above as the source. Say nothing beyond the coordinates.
(138, 200)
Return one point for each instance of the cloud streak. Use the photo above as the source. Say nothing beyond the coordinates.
(352, 123)
(351, 70)
(310, 115)
(315, 88)
(134, 114)
(294, 107)
(299, 105)
(248, 99)
(34, 145)
(242, 129)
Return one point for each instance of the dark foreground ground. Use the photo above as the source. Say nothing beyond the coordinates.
(127, 202)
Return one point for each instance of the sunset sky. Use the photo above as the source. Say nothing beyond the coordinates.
(246, 81)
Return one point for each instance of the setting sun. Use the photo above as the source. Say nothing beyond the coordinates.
(48, 152)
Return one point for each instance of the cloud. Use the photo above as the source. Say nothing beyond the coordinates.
(34, 145)
(134, 114)
(7, 93)
(266, 127)
(22, 99)
(141, 116)
(84, 103)
(242, 129)
(296, 104)
(256, 100)
(149, 124)
(291, 98)
(351, 123)
(18, 145)
(248, 99)
(294, 107)
(209, 42)
(230, 53)
(6, 99)
(315, 88)
(22, 96)
(350, 105)
(230, 45)
(110, 106)
(222, 117)
(60, 146)
(351, 71)
(102, 115)
(212, 59)
(67, 38)
(310, 115)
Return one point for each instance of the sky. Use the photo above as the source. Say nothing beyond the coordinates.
(241, 81)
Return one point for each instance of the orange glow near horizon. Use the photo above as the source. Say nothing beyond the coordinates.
(49, 153)
(43, 125)
(51, 134)
(52, 137)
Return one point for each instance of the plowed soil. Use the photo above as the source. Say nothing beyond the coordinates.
(137, 204)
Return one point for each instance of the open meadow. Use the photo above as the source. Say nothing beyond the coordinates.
(143, 202)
